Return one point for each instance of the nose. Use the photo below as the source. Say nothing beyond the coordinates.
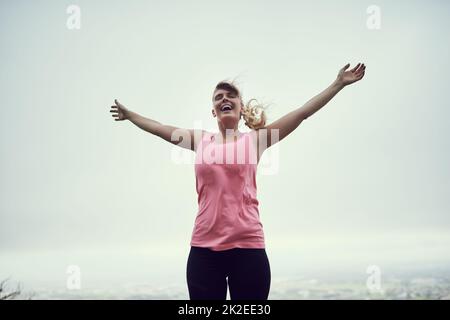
(224, 100)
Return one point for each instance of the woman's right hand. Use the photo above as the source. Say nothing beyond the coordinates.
(119, 111)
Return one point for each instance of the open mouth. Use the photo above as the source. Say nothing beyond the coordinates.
(226, 107)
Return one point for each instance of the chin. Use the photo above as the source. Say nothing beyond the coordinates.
(227, 118)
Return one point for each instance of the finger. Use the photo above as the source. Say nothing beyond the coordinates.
(113, 106)
(356, 67)
(345, 67)
(361, 67)
(361, 70)
(113, 111)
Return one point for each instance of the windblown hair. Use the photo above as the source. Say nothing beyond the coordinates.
(253, 112)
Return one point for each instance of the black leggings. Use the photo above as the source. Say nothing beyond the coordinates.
(248, 273)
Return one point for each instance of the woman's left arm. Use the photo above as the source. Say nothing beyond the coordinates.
(288, 123)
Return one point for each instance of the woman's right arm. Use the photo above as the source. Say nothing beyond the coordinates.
(184, 138)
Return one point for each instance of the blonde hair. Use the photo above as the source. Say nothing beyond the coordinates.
(253, 112)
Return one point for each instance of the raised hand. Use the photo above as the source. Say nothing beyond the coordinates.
(119, 111)
(351, 76)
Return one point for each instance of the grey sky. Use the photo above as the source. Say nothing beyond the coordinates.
(369, 170)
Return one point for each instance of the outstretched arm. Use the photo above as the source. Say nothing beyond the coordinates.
(288, 123)
(181, 137)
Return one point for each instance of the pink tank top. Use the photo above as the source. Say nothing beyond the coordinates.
(228, 215)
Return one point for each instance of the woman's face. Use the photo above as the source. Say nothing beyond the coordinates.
(226, 106)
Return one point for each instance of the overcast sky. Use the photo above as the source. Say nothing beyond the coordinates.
(363, 181)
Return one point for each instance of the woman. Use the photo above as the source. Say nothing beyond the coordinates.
(228, 240)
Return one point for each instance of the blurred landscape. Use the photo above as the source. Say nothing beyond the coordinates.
(289, 289)
(404, 287)
(392, 266)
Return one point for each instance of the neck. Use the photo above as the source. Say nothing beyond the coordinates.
(228, 131)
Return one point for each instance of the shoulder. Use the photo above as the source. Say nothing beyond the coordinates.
(206, 134)
(200, 135)
(255, 134)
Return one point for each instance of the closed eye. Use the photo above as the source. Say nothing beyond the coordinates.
(229, 94)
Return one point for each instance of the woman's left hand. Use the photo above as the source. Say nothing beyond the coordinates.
(351, 76)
